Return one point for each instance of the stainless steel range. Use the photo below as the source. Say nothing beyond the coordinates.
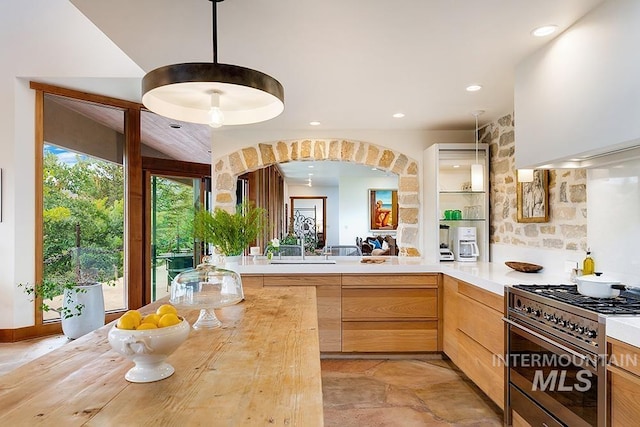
(555, 354)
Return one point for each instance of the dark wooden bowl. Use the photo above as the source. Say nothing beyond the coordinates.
(524, 267)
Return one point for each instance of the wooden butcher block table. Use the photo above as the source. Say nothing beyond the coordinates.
(262, 368)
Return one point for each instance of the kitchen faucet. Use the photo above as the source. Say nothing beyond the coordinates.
(301, 243)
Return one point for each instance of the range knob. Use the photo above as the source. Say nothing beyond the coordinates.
(581, 329)
(563, 323)
(538, 313)
(547, 316)
(572, 326)
(591, 333)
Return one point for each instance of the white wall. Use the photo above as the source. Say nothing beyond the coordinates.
(354, 203)
(580, 94)
(41, 41)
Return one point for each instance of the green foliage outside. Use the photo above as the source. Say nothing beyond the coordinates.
(174, 208)
(83, 222)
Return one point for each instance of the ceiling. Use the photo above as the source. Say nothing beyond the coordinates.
(349, 64)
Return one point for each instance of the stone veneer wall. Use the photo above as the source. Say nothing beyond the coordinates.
(248, 159)
(567, 226)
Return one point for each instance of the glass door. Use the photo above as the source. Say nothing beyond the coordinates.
(173, 248)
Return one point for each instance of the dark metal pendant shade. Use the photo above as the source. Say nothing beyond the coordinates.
(183, 92)
(186, 91)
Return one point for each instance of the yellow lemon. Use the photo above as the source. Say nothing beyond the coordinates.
(144, 326)
(136, 315)
(165, 309)
(168, 319)
(151, 318)
(126, 321)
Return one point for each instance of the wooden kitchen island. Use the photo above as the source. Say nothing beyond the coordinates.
(262, 368)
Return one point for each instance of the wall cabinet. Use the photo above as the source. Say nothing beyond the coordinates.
(447, 186)
(391, 313)
(474, 334)
(624, 383)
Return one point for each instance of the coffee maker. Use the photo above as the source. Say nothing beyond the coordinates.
(445, 244)
(465, 246)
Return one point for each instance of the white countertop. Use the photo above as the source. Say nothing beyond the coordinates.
(626, 329)
(490, 276)
(486, 275)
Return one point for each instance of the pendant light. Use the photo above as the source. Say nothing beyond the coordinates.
(477, 169)
(212, 93)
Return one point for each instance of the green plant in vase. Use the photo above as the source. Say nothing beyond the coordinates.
(231, 233)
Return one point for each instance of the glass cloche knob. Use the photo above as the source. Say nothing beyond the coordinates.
(206, 287)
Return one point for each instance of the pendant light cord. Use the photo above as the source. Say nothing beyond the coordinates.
(476, 115)
(214, 26)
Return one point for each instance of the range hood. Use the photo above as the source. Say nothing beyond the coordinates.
(595, 158)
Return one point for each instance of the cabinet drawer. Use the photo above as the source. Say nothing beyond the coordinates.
(301, 279)
(365, 304)
(481, 323)
(479, 365)
(624, 356)
(482, 296)
(389, 336)
(625, 397)
(388, 280)
(250, 281)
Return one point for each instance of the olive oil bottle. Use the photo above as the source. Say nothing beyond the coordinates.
(588, 265)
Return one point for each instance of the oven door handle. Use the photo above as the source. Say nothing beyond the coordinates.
(548, 341)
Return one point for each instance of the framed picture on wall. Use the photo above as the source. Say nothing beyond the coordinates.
(533, 198)
(383, 209)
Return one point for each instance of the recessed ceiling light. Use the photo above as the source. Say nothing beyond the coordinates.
(398, 115)
(310, 174)
(456, 166)
(311, 166)
(314, 123)
(545, 30)
(473, 88)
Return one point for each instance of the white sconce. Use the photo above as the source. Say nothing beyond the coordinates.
(525, 175)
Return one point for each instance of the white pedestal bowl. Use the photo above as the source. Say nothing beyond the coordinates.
(148, 349)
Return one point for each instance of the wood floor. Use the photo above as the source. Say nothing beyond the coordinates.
(360, 393)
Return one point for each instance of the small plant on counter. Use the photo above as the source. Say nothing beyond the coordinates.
(273, 247)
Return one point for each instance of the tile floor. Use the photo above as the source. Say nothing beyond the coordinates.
(360, 393)
(403, 393)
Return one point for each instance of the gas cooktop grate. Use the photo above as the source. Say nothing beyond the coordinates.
(627, 302)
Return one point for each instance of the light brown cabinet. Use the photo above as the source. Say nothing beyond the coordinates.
(391, 313)
(328, 295)
(624, 383)
(474, 334)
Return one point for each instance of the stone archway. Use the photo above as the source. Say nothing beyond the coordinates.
(249, 159)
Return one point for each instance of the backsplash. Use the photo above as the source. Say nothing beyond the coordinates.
(567, 226)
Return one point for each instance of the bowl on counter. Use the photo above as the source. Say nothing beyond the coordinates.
(148, 350)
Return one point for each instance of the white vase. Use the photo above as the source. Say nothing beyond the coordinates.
(232, 262)
(92, 316)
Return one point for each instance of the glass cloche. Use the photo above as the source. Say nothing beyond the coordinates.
(206, 287)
